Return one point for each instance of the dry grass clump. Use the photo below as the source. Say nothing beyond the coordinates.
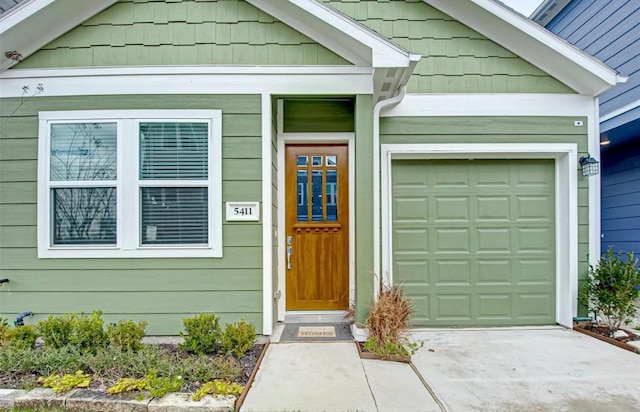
(388, 322)
(389, 316)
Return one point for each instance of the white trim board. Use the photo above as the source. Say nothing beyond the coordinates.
(190, 80)
(566, 199)
(497, 104)
(267, 239)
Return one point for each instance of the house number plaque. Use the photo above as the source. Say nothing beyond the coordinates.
(243, 211)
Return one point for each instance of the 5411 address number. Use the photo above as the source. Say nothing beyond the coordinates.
(243, 211)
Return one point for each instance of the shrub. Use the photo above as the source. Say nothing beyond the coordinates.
(218, 387)
(388, 322)
(611, 290)
(156, 385)
(23, 337)
(203, 333)
(56, 331)
(87, 332)
(64, 383)
(238, 338)
(126, 335)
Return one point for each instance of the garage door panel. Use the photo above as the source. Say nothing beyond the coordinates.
(453, 307)
(535, 271)
(490, 209)
(453, 240)
(533, 239)
(452, 209)
(494, 271)
(532, 208)
(481, 249)
(494, 240)
(414, 210)
(494, 306)
(452, 272)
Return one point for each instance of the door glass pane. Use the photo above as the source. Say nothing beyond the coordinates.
(302, 196)
(174, 215)
(332, 160)
(332, 195)
(303, 160)
(316, 160)
(83, 151)
(316, 196)
(84, 216)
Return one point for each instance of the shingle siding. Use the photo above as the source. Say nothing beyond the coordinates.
(456, 59)
(188, 32)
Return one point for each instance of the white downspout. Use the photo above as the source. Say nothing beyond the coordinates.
(376, 180)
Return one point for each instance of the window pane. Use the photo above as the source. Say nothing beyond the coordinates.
(174, 215)
(302, 195)
(332, 160)
(316, 193)
(174, 150)
(84, 216)
(83, 151)
(332, 195)
(316, 160)
(303, 160)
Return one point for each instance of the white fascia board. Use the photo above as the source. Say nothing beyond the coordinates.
(337, 32)
(570, 65)
(190, 80)
(39, 22)
(507, 104)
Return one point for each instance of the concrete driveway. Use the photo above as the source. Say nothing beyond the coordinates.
(534, 369)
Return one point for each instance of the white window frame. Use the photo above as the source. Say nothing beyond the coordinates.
(128, 232)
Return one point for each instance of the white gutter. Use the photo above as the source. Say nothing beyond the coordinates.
(376, 181)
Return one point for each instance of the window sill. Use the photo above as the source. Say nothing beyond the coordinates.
(142, 252)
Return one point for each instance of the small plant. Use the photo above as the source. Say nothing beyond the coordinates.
(88, 333)
(203, 333)
(611, 289)
(64, 383)
(218, 387)
(155, 385)
(21, 337)
(126, 335)
(238, 338)
(56, 331)
(388, 322)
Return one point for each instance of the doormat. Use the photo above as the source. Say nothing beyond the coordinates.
(334, 332)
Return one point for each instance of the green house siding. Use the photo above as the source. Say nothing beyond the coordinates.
(161, 291)
(187, 32)
(456, 59)
(399, 130)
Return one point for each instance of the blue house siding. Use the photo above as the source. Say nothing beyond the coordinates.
(621, 199)
(610, 31)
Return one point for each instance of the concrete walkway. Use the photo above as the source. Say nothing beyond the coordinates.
(535, 369)
(332, 377)
(501, 369)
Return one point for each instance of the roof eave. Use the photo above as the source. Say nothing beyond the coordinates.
(565, 62)
(37, 22)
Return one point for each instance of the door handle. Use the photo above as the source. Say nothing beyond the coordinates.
(289, 250)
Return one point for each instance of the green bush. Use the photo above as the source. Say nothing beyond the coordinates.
(19, 337)
(126, 334)
(56, 331)
(610, 291)
(88, 333)
(238, 338)
(203, 333)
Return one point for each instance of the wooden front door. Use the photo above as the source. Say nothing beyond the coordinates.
(317, 227)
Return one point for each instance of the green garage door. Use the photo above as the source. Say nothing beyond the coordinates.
(474, 240)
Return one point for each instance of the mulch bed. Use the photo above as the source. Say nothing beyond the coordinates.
(603, 333)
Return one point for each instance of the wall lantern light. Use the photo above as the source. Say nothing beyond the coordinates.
(590, 166)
